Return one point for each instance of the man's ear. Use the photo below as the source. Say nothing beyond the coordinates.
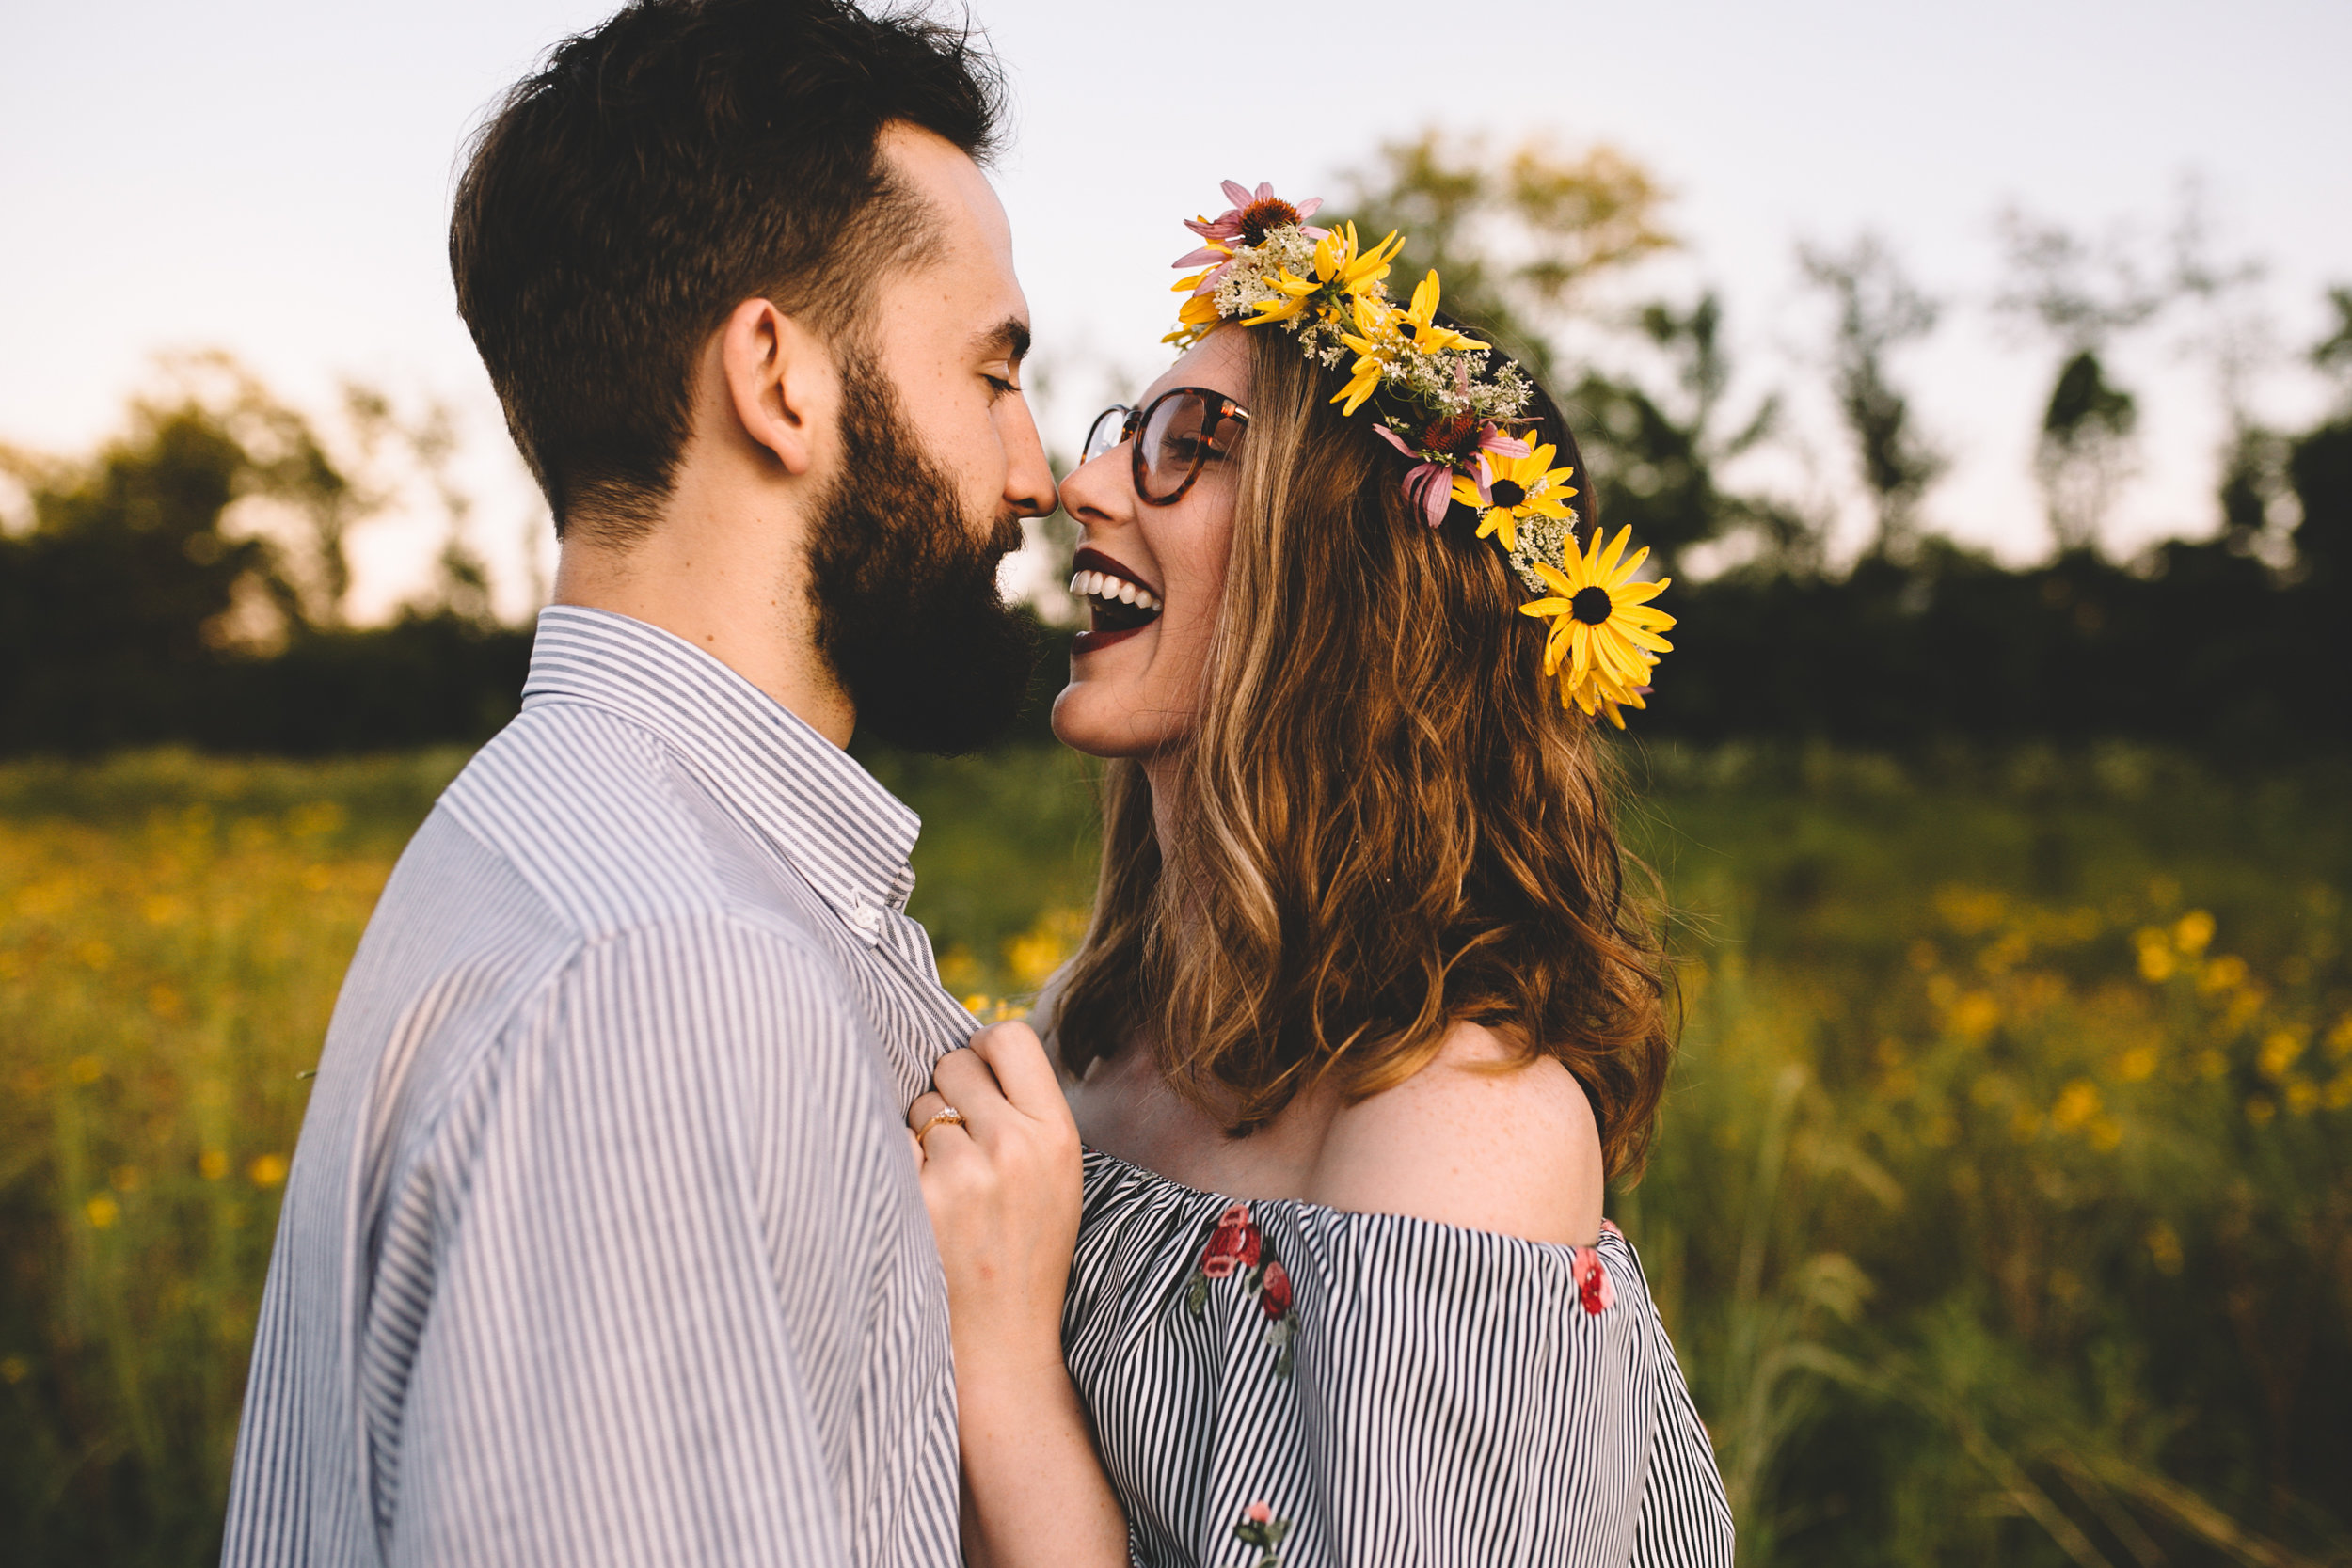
(781, 383)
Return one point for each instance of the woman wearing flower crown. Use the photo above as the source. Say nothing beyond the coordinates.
(1363, 1020)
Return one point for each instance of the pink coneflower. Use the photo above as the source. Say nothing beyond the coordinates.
(1429, 485)
(1251, 217)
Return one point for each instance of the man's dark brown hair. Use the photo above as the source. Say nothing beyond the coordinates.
(679, 159)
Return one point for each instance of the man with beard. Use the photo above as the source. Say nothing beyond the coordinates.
(602, 1242)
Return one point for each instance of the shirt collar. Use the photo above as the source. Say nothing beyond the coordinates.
(833, 820)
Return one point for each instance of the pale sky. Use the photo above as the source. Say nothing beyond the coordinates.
(272, 177)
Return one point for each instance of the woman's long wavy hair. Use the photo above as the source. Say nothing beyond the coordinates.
(1389, 824)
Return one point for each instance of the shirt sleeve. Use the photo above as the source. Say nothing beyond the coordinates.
(1686, 1520)
(667, 1219)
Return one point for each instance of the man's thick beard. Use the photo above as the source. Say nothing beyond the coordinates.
(904, 585)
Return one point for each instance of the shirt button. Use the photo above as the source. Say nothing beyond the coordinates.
(862, 917)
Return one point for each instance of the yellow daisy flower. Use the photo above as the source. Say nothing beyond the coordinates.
(1600, 696)
(1601, 618)
(1422, 331)
(1521, 487)
(1375, 344)
(1194, 319)
(1383, 333)
(1340, 270)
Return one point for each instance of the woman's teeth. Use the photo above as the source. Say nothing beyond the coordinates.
(1109, 589)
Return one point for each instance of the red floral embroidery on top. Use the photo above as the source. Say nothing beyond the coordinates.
(1592, 1280)
(1274, 1289)
(1234, 1244)
(1237, 1245)
(1259, 1528)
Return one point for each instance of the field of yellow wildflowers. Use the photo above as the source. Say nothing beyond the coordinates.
(2002, 1209)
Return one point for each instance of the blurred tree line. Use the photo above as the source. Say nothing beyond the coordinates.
(188, 583)
(139, 605)
(2240, 644)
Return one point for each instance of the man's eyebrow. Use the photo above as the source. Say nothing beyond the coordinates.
(1010, 336)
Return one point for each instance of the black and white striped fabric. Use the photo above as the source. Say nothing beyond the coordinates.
(1403, 1393)
(601, 1243)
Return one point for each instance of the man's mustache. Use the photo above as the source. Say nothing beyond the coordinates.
(1007, 537)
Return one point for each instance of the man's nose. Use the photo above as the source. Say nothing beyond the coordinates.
(1029, 488)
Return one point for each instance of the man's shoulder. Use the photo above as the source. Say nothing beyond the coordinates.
(594, 812)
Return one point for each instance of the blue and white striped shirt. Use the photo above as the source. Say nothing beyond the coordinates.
(602, 1243)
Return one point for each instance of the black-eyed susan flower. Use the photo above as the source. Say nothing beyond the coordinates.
(1453, 409)
(1601, 617)
(1599, 696)
(1450, 448)
(1517, 488)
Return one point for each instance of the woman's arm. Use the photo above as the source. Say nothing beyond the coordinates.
(1003, 1192)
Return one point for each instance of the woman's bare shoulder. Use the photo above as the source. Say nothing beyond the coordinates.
(1480, 1138)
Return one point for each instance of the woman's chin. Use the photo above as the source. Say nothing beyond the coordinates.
(1089, 719)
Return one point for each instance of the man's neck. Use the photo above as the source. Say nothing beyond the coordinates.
(750, 611)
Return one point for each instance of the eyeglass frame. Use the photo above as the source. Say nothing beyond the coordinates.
(1135, 421)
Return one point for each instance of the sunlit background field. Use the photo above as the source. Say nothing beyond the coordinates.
(2002, 1210)
(1983, 377)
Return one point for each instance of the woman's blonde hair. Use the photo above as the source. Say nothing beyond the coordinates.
(1389, 826)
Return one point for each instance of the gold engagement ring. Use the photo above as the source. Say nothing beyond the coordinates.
(952, 1116)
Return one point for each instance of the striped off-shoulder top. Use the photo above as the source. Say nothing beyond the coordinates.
(1279, 1382)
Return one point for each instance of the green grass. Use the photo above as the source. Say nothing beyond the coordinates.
(2000, 1210)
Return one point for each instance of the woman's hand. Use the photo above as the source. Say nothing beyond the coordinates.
(1003, 1190)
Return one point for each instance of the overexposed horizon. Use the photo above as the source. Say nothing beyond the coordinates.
(272, 179)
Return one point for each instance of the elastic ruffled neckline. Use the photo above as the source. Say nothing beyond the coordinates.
(1562, 1251)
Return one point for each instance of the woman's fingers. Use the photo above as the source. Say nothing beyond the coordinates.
(923, 1123)
(1024, 1073)
(969, 1084)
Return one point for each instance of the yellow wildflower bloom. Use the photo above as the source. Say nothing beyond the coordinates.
(1419, 326)
(1519, 488)
(1340, 269)
(1601, 618)
(1600, 695)
(1194, 320)
(1375, 347)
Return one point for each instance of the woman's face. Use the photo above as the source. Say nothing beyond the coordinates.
(1134, 676)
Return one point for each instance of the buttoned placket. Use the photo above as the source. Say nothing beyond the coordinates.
(864, 916)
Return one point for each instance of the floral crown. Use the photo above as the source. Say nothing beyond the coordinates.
(1453, 407)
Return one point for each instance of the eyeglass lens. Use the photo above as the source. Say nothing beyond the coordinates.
(1108, 430)
(1177, 438)
(1182, 430)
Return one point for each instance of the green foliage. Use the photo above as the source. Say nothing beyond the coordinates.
(2086, 436)
(1520, 239)
(1878, 310)
(2319, 464)
(139, 608)
(1516, 236)
(125, 560)
(1660, 452)
(2000, 1203)
(1999, 1210)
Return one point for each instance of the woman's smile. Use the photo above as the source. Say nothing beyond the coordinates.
(1119, 601)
